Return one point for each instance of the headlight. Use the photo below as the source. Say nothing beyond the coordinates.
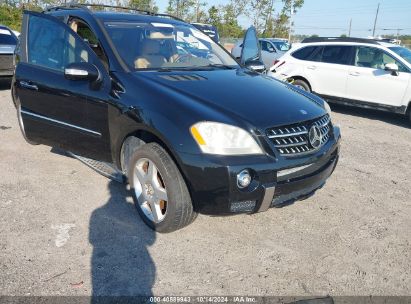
(222, 139)
(327, 108)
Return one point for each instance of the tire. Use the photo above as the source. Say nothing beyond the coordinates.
(156, 183)
(302, 85)
(21, 124)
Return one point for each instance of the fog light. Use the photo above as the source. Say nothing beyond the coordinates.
(243, 179)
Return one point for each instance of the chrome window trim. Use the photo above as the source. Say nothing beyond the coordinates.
(61, 122)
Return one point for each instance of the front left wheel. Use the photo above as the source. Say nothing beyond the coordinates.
(159, 190)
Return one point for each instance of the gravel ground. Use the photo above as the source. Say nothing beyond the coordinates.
(65, 230)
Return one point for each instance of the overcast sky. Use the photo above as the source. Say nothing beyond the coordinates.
(332, 17)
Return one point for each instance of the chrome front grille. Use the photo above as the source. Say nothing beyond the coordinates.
(294, 139)
(6, 62)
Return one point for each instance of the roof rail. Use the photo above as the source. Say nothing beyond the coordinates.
(85, 6)
(339, 39)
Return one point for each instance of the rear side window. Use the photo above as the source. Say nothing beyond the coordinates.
(309, 53)
(337, 54)
(51, 45)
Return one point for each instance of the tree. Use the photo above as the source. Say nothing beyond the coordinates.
(214, 17)
(229, 26)
(181, 8)
(260, 11)
(146, 5)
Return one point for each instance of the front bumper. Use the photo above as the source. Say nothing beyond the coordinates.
(212, 180)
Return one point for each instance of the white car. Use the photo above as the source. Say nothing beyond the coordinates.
(354, 71)
(271, 50)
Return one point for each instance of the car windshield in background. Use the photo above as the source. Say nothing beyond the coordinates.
(282, 46)
(7, 38)
(403, 52)
(166, 46)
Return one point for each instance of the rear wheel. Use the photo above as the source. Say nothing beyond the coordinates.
(301, 84)
(159, 191)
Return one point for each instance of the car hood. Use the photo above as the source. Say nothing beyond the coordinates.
(260, 100)
(7, 49)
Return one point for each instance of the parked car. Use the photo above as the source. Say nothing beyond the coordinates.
(209, 30)
(8, 42)
(271, 50)
(352, 71)
(190, 134)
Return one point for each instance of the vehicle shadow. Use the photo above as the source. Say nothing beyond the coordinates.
(5, 83)
(391, 118)
(121, 264)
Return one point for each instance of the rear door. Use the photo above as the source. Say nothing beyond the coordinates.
(55, 110)
(329, 69)
(368, 80)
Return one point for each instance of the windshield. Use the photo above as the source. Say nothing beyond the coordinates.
(403, 52)
(166, 46)
(6, 37)
(281, 45)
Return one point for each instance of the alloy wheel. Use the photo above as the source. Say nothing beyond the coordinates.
(150, 190)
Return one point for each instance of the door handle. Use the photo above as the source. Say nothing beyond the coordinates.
(312, 67)
(29, 85)
(355, 74)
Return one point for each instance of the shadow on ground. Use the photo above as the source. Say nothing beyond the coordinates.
(391, 118)
(121, 263)
(5, 84)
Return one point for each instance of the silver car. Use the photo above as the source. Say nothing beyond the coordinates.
(8, 42)
(271, 50)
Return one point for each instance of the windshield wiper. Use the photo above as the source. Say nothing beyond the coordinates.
(195, 67)
(220, 65)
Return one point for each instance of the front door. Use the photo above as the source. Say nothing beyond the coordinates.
(368, 80)
(54, 109)
(268, 53)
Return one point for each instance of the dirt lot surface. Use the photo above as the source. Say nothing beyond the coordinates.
(65, 230)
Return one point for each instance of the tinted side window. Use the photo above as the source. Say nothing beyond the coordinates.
(310, 53)
(51, 45)
(337, 54)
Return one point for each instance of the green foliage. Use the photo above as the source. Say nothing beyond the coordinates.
(10, 16)
(146, 5)
(181, 8)
(268, 22)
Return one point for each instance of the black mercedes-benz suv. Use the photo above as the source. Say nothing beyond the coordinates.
(191, 133)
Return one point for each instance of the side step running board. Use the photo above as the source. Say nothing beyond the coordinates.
(105, 169)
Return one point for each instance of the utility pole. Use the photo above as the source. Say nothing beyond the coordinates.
(349, 30)
(375, 21)
(291, 21)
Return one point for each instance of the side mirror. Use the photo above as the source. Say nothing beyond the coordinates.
(393, 68)
(255, 65)
(82, 71)
(272, 50)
